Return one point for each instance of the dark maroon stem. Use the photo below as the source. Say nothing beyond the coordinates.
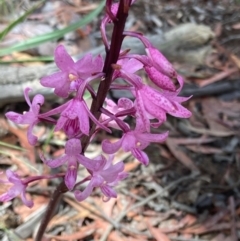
(111, 58)
(97, 103)
(52, 205)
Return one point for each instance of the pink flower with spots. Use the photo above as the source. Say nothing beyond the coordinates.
(159, 62)
(162, 81)
(151, 103)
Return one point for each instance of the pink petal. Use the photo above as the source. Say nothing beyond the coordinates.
(108, 191)
(133, 79)
(10, 194)
(111, 173)
(155, 111)
(141, 156)
(28, 203)
(62, 59)
(13, 177)
(122, 176)
(53, 163)
(141, 111)
(29, 117)
(32, 139)
(73, 147)
(101, 162)
(54, 80)
(97, 64)
(110, 104)
(71, 174)
(108, 162)
(5, 197)
(84, 62)
(129, 141)
(56, 111)
(60, 123)
(83, 119)
(178, 99)
(161, 80)
(131, 65)
(140, 127)
(125, 103)
(148, 137)
(37, 101)
(80, 196)
(87, 66)
(63, 90)
(160, 62)
(157, 98)
(111, 148)
(26, 96)
(88, 163)
(15, 117)
(180, 111)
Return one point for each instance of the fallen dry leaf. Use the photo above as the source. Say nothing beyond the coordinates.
(236, 26)
(217, 77)
(180, 155)
(235, 59)
(204, 149)
(157, 234)
(81, 234)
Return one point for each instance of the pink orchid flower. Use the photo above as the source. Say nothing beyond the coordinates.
(72, 74)
(151, 103)
(31, 117)
(134, 141)
(74, 118)
(122, 107)
(72, 157)
(104, 175)
(18, 188)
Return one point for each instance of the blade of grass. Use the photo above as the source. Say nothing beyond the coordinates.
(33, 42)
(27, 163)
(19, 20)
(32, 59)
(11, 146)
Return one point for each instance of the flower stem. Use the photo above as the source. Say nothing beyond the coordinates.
(111, 58)
(52, 205)
(97, 103)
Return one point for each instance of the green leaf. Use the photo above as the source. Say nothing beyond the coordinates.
(19, 20)
(33, 42)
